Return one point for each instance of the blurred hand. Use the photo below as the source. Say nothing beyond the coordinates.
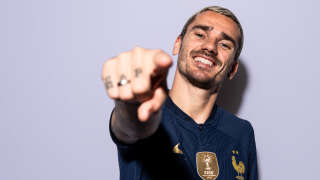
(138, 76)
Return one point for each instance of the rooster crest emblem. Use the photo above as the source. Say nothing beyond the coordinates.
(239, 167)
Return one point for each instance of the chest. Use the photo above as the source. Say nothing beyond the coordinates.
(203, 152)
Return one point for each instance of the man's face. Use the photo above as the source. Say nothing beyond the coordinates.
(207, 51)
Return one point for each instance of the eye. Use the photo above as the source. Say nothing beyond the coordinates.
(200, 35)
(225, 46)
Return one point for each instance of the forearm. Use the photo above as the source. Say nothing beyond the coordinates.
(126, 126)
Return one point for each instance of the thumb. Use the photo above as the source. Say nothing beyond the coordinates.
(153, 105)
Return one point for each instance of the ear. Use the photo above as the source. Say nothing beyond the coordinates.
(233, 69)
(176, 47)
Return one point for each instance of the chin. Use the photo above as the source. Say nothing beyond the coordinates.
(202, 82)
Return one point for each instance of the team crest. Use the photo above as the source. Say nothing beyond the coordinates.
(207, 165)
(238, 167)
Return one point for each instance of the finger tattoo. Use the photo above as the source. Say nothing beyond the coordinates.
(122, 76)
(108, 83)
(137, 72)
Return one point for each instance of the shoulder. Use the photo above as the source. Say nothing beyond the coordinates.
(237, 128)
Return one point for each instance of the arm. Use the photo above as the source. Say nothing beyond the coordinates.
(126, 125)
(139, 98)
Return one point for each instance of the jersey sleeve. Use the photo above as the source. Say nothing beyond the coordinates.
(129, 152)
(252, 158)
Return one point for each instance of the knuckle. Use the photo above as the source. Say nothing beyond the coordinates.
(110, 61)
(108, 64)
(124, 55)
(160, 54)
(159, 51)
(137, 49)
(163, 54)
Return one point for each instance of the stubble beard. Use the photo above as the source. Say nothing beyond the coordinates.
(209, 83)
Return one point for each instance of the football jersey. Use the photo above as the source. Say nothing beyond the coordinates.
(223, 148)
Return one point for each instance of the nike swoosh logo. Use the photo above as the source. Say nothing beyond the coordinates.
(176, 149)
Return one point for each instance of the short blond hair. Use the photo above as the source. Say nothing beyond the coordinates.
(223, 11)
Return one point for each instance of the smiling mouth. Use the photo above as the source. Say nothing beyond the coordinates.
(205, 61)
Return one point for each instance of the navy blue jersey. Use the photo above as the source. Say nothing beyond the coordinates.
(223, 148)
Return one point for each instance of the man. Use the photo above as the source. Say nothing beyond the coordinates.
(184, 135)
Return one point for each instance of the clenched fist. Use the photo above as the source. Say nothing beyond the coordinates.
(138, 76)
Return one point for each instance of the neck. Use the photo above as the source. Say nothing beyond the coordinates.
(194, 101)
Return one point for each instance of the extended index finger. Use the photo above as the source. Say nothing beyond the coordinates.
(161, 61)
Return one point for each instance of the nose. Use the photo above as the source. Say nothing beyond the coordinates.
(210, 45)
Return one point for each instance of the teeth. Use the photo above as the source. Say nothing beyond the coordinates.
(203, 60)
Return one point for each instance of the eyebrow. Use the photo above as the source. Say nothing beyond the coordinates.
(209, 28)
(202, 27)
